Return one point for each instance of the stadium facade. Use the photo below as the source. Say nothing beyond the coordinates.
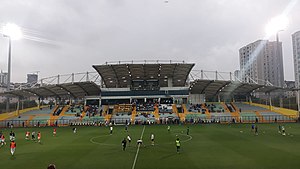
(122, 82)
(144, 92)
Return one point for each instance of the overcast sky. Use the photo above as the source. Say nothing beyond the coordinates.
(69, 36)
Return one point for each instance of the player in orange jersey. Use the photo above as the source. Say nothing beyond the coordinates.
(39, 136)
(54, 132)
(27, 135)
(2, 140)
(13, 146)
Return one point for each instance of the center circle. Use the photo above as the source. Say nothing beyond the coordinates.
(92, 140)
(189, 138)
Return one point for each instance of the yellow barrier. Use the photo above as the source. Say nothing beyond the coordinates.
(284, 111)
(156, 114)
(133, 114)
(8, 115)
(184, 108)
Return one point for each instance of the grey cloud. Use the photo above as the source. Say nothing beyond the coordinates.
(83, 33)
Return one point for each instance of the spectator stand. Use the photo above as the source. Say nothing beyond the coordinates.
(58, 111)
(145, 113)
(168, 113)
(182, 115)
(122, 114)
(263, 113)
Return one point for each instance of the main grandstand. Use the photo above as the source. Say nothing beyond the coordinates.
(139, 92)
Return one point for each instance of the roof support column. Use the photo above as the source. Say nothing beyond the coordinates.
(22, 106)
(39, 103)
(280, 101)
(270, 101)
(102, 84)
(298, 102)
(250, 100)
(219, 98)
(73, 77)
(55, 103)
(42, 101)
(57, 79)
(7, 103)
(18, 107)
(233, 99)
(70, 101)
(99, 106)
(87, 76)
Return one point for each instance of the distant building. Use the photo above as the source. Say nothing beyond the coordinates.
(290, 85)
(32, 78)
(3, 98)
(296, 54)
(3, 78)
(261, 62)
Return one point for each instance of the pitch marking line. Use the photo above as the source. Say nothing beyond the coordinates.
(183, 141)
(138, 149)
(95, 142)
(189, 139)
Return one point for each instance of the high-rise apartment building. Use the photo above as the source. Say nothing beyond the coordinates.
(296, 54)
(262, 62)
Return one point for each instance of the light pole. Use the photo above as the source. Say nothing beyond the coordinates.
(279, 60)
(8, 72)
(274, 26)
(298, 102)
(12, 32)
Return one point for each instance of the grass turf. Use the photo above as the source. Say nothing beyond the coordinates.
(210, 146)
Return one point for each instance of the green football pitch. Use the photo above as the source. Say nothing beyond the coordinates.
(207, 146)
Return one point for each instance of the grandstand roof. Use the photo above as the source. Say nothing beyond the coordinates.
(210, 88)
(214, 87)
(121, 74)
(76, 90)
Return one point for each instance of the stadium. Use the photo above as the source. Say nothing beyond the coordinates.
(210, 112)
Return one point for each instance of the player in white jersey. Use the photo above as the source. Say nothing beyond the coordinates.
(152, 139)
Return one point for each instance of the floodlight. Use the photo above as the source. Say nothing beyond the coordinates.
(276, 24)
(12, 31)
